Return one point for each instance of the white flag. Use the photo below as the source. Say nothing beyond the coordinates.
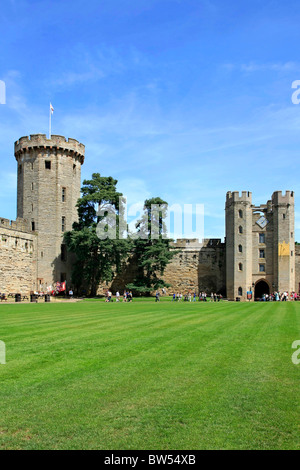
(51, 108)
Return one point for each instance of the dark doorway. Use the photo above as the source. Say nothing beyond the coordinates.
(261, 288)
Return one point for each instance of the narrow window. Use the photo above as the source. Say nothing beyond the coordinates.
(240, 229)
(262, 253)
(48, 165)
(262, 268)
(240, 266)
(33, 226)
(261, 238)
(283, 216)
(63, 195)
(240, 214)
(240, 249)
(63, 249)
(292, 253)
(32, 186)
(240, 291)
(63, 224)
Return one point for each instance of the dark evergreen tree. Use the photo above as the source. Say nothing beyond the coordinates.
(96, 259)
(152, 248)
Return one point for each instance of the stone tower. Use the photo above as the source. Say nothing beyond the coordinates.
(238, 243)
(283, 240)
(49, 181)
(260, 245)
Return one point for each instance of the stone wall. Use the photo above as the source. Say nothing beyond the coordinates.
(197, 267)
(127, 274)
(18, 251)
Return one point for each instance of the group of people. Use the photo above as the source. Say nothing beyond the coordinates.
(127, 296)
(280, 297)
(192, 297)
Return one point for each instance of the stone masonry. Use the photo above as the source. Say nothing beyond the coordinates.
(260, 244)
(18, 253)
(258, 254)
(49, 181)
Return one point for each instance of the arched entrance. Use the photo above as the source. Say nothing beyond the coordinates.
(261, 288)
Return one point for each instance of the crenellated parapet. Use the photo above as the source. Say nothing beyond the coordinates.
(193, 243)
(235, 196)
(20, 225)
(56, 143)
(279, 198)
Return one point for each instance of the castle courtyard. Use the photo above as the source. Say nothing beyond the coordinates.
(148, 375)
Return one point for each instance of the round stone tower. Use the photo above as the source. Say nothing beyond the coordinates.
(49, 181)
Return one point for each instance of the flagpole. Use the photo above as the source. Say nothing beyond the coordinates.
(50, 121)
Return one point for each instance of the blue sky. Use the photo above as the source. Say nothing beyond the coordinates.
(182, 99)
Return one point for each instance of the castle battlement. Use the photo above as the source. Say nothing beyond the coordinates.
(20, 225)
(279, 198)
(187, 243)
(40, 141)
(195, 244)
(235, 196)
(212, 242)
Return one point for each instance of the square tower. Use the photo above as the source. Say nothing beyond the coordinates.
(238, 243)
(260, 245)
(284, 240)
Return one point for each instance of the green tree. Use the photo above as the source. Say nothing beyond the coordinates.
(152, 248)
(96, 259)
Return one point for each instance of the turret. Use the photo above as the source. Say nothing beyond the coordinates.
(49, 181)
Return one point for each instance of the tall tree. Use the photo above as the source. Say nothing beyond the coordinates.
(96, 259)
(152, 248)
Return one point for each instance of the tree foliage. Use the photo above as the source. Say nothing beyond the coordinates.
(96, 259)
(152, 248)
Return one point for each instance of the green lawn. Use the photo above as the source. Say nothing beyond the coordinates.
(150, 375)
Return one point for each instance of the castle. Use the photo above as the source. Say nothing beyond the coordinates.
(258, 255)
